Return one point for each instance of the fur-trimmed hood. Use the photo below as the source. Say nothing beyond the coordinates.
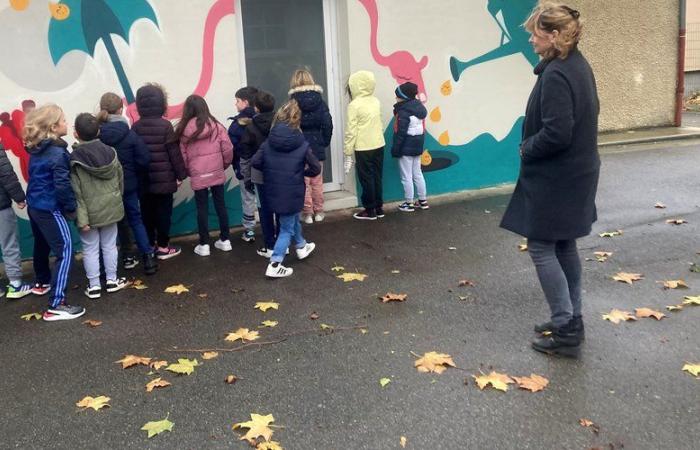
(309, 87)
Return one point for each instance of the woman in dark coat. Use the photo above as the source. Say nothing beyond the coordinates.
(554, 199)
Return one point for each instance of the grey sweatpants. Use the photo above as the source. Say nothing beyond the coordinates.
(248, 204)
(104, 238)
(9, 243)
(411, 172)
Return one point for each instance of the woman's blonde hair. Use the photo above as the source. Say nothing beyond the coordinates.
(301, 77)
(289, 113)
(39, 123)
(552, 16)
(110, 103)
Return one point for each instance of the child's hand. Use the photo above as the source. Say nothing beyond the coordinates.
(179, 183)
(85, 228)
(347, 164)
(22, 205)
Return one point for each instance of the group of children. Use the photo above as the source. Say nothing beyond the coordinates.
(118, 181)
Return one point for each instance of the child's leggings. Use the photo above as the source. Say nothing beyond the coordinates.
(411, 172)
(51, 233)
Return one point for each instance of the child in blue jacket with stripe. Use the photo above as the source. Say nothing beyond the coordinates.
(50, 200)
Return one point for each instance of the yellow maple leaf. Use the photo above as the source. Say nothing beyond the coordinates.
(268, 324)
(209, 355)
(693, 369)
(648, 312)
(264, 306)
(350, 276)
(403, 441)
(30, 316)
(338, 269)
(176, 289)
(132, 360)
(434, 362)
(326, 327)
(92, 323)
(627, 277)
(611, 233)
(602, 256)
(391, 297)
(158, 364)
(691, 300)
(156, 383)
(616, 316)
(183, 366)
(93, 402)
(674, 284)
(496, 380)
(533, 383)
(674, 307)
(138, 284)
(257, 427)
(269, 445)
(244, 334)
(157, 427)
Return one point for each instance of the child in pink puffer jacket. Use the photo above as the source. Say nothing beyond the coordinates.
(207, 152)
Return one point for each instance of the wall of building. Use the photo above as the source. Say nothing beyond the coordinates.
(692, 49)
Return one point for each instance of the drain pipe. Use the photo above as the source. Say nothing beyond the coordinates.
(680, 88)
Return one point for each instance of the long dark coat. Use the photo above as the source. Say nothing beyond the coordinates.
(554, 197)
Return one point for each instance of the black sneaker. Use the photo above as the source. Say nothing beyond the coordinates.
(549, 327)
(129, 262)
(116, 285)
(150, 264)
(564, 341)
(406, 207)
(93, 292)
(422, 204)
(365, 215)
(63, 312)
(379, 212)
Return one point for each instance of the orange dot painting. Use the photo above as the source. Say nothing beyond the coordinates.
(19, 5)
(444, 138)
(436, 114)
(446, 88)
(426, 158)
(59, 11)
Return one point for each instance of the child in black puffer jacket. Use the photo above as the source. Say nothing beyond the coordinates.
(317, 126)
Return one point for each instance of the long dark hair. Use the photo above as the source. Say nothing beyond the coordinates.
(195, 108)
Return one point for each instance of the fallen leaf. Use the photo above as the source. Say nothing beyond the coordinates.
(176, 289)
(363, 331)
(156, 383)
(611, 234)
(647, 312)
(533, 383)
(257, 427)
(158, 427)
(627, 277)
(183, 366)
(209, 355)
(403, 441)
(326, 327)
(384, 381)
(496, 380)
(269, 445)
(231, 379)
(602, 256)
(314, 315)
(264, 306)
(589, 424)
(446, 87)
(391, 297)
(452, 248)
(676, 221)
(691, 300)
(522, 247)
(468, 283)
(395, 272)
(92, 323)
(132, 360)
(138, 284)
(93, 402)
(616, 316)
(693, 369)
(434, 362)
(158, 364)
(350, 276)
(243, 334)
(338, 269)
(268, 324)
(205, 295)
(660, 205)
(30, 316)
(674, 307)
(674, 284)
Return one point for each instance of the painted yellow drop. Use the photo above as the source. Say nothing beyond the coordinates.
(19, 5)
(436, 114)
(59, 11)
(446, 87)
(444, 138)
(425, 158)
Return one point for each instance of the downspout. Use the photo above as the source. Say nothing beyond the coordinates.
(680, 88)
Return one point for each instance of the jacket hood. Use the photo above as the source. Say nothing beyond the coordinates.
(96, 158)
(150, 101)
(112, 133)
(191, 128)
(284, 139)
(45, 144)
(414, 107)
(362, 84)
(244, 113)
(264, 121)
(308, 97)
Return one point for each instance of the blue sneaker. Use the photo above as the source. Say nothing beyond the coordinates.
(15, 293)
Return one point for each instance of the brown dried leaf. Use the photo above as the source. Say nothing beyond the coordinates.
(93, 402)
(92, 323)
(616, 316)
(156, 365)
(314, 315)
(468, 283)
(209, 355)
(156, 383)
(132, 360)
(391, 297)
(533, 383)
(676, 221)
(434, 362)
(496, 380)
(674, 284)
(589, 424)
(627, 277)
(674, 307)
(231, 379)
(647, 312)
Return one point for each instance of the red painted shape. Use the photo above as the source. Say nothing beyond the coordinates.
(11, 137)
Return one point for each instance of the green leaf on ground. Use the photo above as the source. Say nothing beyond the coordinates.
(158, 427)
(384, 381)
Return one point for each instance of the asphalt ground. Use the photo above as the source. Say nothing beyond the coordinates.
(323, 386)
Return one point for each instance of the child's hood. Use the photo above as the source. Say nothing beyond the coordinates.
(150, 101)
(112, 133)
(44, 145)
(264, 121)
(98, 159)
(284, 139)
(308, 97)
(362, 84)
(414, 107)
(191, 128)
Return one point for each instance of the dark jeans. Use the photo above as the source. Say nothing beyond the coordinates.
(559, 270)
(269, 221)
(370, 165)
(156, 210)
(201, 196)
(132, 226)
(51, 233)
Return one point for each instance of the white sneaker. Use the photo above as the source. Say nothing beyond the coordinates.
(265, 252)
(278, 272)
(319, 217)
(224, 246)
(305, 250)
(202, 250)
(308, 219)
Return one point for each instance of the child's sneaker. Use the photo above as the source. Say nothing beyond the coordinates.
(305, 250)
(365, 215)
(423, 204)
(93, 292)
(202, 250)
(248, 236)
(265, 252)
(22, 290)
(129, 262)
(63, 312)
(116, 285)
(406, 207)
(224, 246)
(308, 219)
(379, 212)
(167, 253)
(41, 289)
(319, 217)
(277, 270)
